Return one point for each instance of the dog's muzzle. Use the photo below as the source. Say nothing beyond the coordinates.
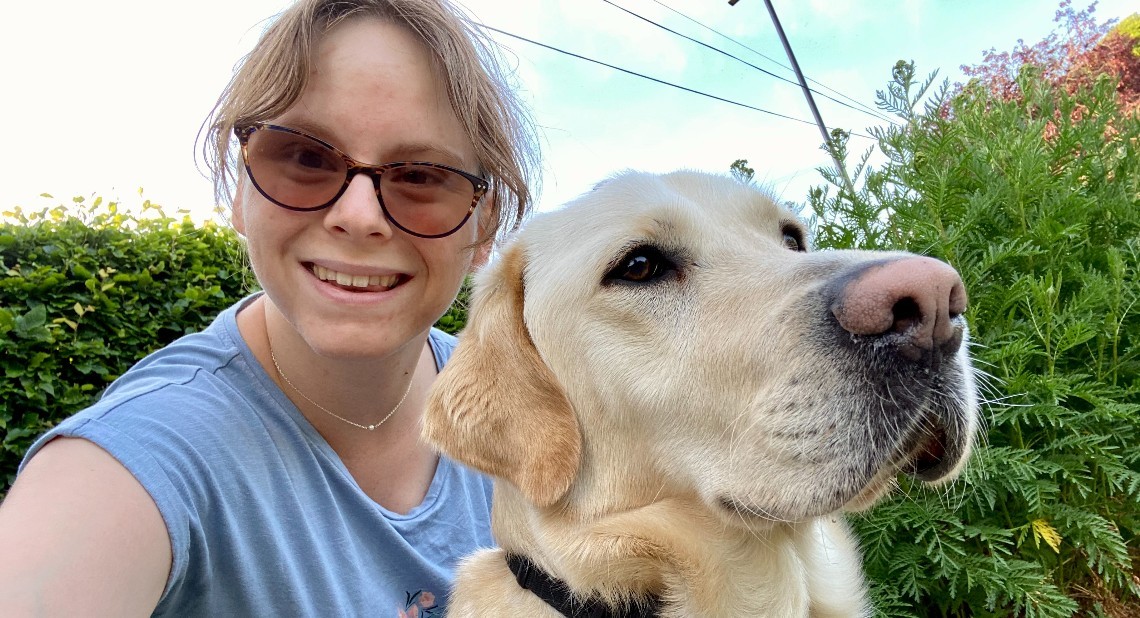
(902, 320)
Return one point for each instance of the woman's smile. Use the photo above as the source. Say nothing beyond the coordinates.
(354, 282)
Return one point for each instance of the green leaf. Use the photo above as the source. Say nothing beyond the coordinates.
(35, 318)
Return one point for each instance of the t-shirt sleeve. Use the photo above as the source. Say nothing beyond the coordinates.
(140, 462)
(133, 453)
(164, 434)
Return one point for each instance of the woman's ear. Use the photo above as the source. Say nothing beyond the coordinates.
(482, 255)
(485, 238)
(237, 212)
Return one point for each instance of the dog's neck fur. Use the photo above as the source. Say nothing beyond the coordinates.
(646, 540)
(689, 555)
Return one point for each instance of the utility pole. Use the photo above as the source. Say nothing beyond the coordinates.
(831, 149)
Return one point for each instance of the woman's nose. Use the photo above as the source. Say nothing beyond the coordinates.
(357, 212)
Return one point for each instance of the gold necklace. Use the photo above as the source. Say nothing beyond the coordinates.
(330, 412)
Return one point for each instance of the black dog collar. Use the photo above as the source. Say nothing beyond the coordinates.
(558, 596)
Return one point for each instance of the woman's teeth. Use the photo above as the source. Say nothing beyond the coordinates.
(355, 281)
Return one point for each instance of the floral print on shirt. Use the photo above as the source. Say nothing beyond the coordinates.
(418, 605)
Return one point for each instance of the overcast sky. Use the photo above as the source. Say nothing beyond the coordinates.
(103, 98)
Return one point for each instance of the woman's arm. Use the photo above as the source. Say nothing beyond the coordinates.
(80, 536)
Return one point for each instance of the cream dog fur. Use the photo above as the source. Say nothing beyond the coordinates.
(678, 400)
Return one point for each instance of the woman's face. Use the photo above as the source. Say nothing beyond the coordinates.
(374, 94)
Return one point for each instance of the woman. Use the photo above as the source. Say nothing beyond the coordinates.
(271, 465)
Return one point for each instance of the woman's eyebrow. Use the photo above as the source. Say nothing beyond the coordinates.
(423, 151)
(305, 125)
(407, 151)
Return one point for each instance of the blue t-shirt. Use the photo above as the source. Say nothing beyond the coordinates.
(264, 519)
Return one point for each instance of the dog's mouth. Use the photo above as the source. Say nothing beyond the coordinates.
(935, 450)
(928, 457)
(930, 452)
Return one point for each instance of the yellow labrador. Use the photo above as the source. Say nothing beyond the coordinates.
(679, 402)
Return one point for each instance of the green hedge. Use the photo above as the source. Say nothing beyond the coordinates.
(1037, 203)
(83, 297)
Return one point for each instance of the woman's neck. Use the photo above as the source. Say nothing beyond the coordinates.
(339, 395)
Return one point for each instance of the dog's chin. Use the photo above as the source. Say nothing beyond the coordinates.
(741, 512)
(743, 509)
(879, 486)
(933, 455)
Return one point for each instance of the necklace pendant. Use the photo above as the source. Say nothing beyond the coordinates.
(277, 366)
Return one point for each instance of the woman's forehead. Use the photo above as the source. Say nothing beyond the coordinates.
(375, 93)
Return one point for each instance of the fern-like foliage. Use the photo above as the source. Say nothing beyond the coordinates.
(1036, 200)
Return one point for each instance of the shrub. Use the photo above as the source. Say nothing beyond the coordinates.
(83, 297)
(1038, 206)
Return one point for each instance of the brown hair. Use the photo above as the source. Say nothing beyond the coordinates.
(272, 77)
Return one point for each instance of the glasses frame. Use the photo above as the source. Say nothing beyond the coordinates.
(245, 131)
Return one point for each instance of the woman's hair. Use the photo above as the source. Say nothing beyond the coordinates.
(272, 77)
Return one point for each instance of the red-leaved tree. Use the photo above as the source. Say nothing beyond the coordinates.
(1077, 53)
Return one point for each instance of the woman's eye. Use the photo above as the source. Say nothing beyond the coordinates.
(416, 176)
(641, 265)
(309, 158)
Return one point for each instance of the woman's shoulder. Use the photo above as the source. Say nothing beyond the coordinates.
(195, 387)
(196, 372)
(210, 350)
(442, 345)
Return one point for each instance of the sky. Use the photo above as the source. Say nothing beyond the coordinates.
(106, 98)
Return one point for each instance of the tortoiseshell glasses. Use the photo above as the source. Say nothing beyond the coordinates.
(297, 171)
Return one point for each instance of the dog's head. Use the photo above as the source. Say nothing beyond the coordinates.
(671, 335)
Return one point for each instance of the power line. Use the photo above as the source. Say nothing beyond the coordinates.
(877, 115)
(778, 63)
(832, 147)
(659, 81)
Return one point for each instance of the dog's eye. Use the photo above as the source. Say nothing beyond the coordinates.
(791, 242)
(794, 238)
(641, 265)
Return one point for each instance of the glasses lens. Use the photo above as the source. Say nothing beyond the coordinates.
(425, 199)
(294, 170)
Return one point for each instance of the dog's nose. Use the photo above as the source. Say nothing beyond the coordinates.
(916, 297)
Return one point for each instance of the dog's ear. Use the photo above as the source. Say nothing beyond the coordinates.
(496, 406)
